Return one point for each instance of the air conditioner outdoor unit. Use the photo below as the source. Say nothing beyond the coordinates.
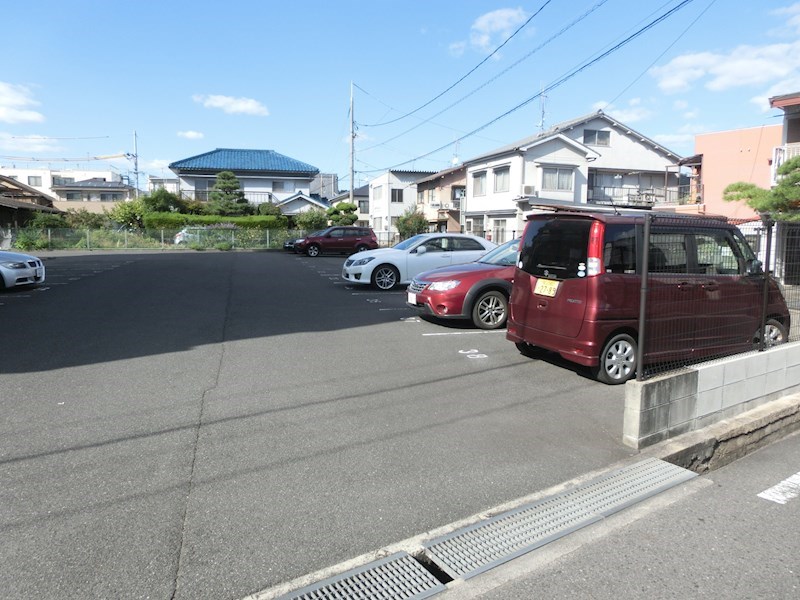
(529, 190)
(445, 206)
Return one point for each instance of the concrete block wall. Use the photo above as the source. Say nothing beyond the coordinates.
(696, 397)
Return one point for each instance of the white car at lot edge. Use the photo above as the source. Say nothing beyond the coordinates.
(385, 268)
(20, 269)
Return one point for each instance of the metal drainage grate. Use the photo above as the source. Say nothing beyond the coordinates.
(480, 547)
(394, 577)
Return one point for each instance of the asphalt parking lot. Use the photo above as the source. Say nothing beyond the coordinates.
(210, 424)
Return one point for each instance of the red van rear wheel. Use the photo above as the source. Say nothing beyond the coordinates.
(618, 360)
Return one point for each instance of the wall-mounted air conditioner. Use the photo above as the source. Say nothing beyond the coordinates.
(529, 190)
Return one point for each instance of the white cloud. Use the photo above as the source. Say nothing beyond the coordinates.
(29, 144)
(680, 105)
(15, 101)
(630, 114)
(191, 135)
(456, 49)
(156, 165)
(491, 29)
(742, 66)
(792, 22)
(231, 105)
(784, 86)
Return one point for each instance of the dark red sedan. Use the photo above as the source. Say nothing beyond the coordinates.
(478, 290)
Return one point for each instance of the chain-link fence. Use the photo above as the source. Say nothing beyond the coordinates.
(198, 238)
(705, 292)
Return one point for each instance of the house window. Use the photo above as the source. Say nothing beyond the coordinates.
(557, 180)
(479, 184)
(397, 196)
(363, 206)
(595, 137)
(34, 180)
(277, 186)
(110, 197)
(63, 180)
(73, 195)
(501, 178)
(377, 192)
(420, 196)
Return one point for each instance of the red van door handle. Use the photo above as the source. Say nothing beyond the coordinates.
(711, 286)
(685, 285)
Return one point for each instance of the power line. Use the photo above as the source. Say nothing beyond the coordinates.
(470, 72)
(556, 83)
(660, 56)
(561, 32)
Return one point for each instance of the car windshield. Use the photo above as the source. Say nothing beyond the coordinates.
(505, 254)
(409, 243)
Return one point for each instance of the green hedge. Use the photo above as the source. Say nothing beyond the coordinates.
(169, 220)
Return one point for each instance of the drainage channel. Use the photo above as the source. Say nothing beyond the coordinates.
(474, 549)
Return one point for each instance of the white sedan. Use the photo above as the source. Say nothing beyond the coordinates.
(20, 269)
(387, 267)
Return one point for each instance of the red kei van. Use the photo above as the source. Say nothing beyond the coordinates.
(578, 286)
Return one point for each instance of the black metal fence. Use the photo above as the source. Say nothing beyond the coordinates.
(708, 291)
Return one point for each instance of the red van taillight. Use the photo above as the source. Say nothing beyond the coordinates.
(594, 264)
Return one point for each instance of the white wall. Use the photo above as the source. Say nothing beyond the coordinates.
(47, 176)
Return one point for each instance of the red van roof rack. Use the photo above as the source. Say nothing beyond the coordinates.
(606, 208)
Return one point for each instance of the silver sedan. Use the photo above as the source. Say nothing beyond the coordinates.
(20, 269)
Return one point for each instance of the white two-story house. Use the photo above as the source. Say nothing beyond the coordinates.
(593, 159)
(264, 175)
(390, 196)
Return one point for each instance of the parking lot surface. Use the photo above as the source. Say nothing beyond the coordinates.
(210, 424)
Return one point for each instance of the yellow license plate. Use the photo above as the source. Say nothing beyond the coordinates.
(546, 287)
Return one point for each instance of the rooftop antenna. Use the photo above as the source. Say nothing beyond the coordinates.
(455, 160)
(542, 106)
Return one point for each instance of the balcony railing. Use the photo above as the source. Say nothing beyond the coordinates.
(252, 197)
(780, 155)
(643, 197)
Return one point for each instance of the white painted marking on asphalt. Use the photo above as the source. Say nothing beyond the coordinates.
(465, 332)
(401, 308)
(786, 490)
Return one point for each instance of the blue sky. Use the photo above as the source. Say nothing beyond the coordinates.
(80, 76)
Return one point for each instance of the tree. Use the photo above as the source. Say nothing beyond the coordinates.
(269, 208)
(411, 223)
(312, 220)
(226, 197)
(129, 214)
(83, 219)
(784, 198)
(343, 213)
(43, 220)
(163, 201)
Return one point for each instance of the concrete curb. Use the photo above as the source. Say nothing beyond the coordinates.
(722, 443)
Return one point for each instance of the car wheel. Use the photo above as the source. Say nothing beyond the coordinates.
(774, 334)
(385, 277)
(361, 248)
(490, 310)
(527, 349)
(313, 250)
(617, 360)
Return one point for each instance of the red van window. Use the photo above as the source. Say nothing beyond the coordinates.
(556, 247)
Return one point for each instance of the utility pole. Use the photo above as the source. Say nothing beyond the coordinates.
(352, 147)
(136, 163)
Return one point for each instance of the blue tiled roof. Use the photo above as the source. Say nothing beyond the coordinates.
(232, 159)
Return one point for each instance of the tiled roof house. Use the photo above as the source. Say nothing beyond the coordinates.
(264, 175)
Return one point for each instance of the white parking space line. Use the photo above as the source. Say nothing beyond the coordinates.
(463, 332)
(398, 308)
(786, 490)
